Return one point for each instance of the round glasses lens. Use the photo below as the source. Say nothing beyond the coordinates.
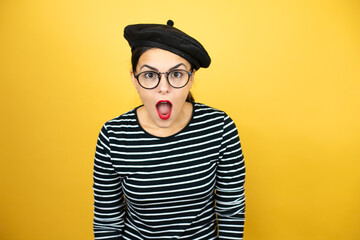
(178, 78)
(148, 79)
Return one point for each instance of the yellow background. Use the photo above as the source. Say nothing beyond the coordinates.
(287, 72)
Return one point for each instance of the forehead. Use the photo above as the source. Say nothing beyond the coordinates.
(161, 59)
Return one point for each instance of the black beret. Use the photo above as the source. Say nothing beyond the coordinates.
(169, 38)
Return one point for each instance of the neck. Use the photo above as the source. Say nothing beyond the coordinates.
(177, 125)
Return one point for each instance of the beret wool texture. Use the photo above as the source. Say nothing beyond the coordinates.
(168, 38)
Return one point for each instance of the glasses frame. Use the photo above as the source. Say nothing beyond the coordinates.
(167, 77)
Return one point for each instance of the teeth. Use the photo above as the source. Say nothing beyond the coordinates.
(164, 103)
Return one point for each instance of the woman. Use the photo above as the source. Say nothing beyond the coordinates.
(171, 168)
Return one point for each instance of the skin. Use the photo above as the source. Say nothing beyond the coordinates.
(163, 61)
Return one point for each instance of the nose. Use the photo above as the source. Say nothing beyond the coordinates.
(164, 85)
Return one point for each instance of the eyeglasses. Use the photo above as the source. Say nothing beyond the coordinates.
(177, 78)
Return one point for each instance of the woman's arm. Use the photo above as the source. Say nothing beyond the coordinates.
(230, 197)
(108, 195)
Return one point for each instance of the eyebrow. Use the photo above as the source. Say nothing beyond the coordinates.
(172, 68)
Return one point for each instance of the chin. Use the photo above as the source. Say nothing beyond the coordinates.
(164, 123)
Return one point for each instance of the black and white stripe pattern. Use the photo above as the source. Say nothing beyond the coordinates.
(147, 187)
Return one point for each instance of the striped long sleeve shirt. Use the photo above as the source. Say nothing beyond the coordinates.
(186, 186)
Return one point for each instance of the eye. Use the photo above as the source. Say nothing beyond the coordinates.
(149, 75)
(177, 74)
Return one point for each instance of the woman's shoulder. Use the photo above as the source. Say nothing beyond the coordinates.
(201, 108)
(204, 111)
(127, 118)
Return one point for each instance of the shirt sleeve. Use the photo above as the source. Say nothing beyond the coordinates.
(230, 191)
(108, 196)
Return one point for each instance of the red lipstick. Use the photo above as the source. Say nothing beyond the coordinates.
(164, 108)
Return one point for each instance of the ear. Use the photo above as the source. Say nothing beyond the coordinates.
(133, 79)
(192, 78)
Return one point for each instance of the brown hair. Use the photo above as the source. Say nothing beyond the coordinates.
(136, 54)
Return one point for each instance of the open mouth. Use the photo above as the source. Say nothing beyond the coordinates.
(164, 108)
